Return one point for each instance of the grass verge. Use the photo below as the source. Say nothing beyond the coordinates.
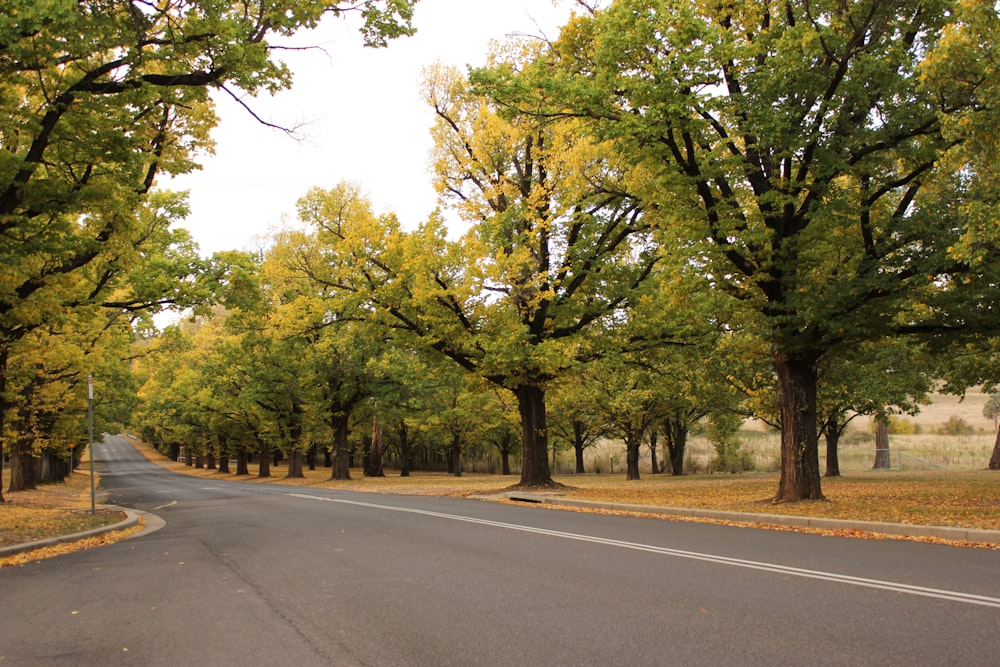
(53, 510)
(967, 499)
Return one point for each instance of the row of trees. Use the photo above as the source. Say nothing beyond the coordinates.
(678, 207)
(99, 98)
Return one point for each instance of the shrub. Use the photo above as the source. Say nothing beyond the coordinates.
(691, 466)
(732, 457)
(956, 426)
(903, 426)
(730, 454)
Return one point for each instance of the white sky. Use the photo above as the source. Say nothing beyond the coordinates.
(364, 120)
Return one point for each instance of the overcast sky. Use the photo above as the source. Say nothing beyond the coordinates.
(362, 115)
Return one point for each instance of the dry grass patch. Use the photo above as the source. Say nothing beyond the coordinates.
(963, 499)
(51, 510)
(968, 499)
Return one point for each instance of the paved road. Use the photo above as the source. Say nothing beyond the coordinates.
(255, 574)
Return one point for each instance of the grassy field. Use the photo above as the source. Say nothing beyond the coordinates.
(969, 499)
(926, 450)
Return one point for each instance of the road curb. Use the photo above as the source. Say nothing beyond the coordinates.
(131, 519)
(878, 527)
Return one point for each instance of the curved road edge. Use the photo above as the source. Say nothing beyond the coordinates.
(152, 523)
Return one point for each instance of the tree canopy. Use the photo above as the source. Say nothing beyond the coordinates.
(817, 158)
(98, 98)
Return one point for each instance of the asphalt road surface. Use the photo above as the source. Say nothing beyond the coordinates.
(264, 574)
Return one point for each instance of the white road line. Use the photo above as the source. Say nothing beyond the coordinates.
(172, 502)
(953, 596)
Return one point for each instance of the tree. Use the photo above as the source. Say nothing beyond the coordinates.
(627, 400)
(349, 338)
(810, 151)
(98, 99)
(889, 377)
(574, 418)
(882, 454)
(554, 255)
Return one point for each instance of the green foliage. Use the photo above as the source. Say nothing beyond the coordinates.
(808, 161)
(955, 426)
(97, 99)
(730, 454)
(902, 426)
(992, 408)
(785, 188)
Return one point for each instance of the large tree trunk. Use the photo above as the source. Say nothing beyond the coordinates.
(579, 445)
(25, 467)
(675, 432)
(4, 352)
(295, 460)
(242, 464)
(652, 452)
(341, 449)
(224, 457)
(531, 406)
(882, 458)
(505, 458)
(295, 456)
(403, 433)
(374, 466)
(832, 434)
(995, 459)
(264, 454)
(632, 457)
(455, 455)
(800, 477)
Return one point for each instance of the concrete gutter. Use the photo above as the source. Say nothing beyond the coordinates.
(877, 527)
(153, 523)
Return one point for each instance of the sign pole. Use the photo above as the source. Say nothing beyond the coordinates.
(90, 430)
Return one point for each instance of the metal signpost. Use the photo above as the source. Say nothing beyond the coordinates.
(90, 429)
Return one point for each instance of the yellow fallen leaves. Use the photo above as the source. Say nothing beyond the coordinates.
(70, 547)
(858, 534)
(27, 524)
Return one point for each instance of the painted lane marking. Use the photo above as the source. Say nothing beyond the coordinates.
(171, 503)
(952, 596)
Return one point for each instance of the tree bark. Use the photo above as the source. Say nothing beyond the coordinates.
(579, 444)
(832, 431)
(882, 458)
(675, 432)
(4, 353)
(800, 477)
(341, 449)
(505, 459)
(242, 465)
(25, 467)
(295, 460)
(652, 452)
(995, 459)
(264, 454)
(535, 469)
(632, 458)
(223, 460)
(455, 455)
(403, 433)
